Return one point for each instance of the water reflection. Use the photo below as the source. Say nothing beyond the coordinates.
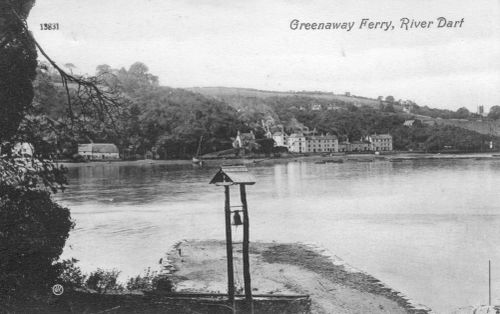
(134, 184)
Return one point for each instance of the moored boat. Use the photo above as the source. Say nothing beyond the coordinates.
(335, 161)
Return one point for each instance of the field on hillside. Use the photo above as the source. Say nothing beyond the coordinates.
(246, 92)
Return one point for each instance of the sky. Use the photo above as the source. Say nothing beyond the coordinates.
(247, 43)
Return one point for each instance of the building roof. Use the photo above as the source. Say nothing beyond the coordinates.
(322, 137)
(104, 148)
(297, 135)
(360, 142)
(247, 136)
(381, 136)
(234, 175)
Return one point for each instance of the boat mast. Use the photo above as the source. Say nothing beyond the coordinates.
(199, 147)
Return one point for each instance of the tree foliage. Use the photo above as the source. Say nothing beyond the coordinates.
(169, 120)
(33, 231)
(440, 138)
(104, 281)
(389, 99)
(494, 113)
(153, 118)
(70, 275)
(461, 113)
(33, 228)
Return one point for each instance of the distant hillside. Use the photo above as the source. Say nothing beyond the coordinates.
(265, 102)
(225, 92)
(486, 127)
(480, 126)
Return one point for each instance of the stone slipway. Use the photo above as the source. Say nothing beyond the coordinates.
(199, 266)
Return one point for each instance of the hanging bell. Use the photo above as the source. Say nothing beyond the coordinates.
(237, 219)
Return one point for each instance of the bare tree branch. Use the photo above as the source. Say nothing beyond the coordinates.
(90, 94)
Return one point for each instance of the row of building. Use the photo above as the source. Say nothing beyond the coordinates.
(303, 143)
(295, 142)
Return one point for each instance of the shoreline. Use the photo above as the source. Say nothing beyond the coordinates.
(397, 156)
(198, 266)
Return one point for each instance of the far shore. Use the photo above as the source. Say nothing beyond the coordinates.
(249, 160)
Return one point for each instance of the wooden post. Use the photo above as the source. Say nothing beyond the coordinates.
(246, 244)
(489, 282)
(229, 248)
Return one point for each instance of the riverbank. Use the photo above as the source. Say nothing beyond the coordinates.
(395, 156)
(333, 286)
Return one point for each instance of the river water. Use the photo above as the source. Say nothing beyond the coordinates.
(426, 228)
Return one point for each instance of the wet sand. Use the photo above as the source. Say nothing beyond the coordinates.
(334, 287)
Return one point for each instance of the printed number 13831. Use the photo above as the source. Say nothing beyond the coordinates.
(49, 26)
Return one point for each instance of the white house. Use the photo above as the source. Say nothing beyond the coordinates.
(98, 151)
(321, 143)
(280, 138)
(296, 143)
(300, 143)
(409, 123)
(382, 142)
(315, 107)
(243, 140)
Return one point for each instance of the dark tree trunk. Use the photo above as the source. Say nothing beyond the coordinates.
(17, 66)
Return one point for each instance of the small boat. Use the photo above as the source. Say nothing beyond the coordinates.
(360, 159)
(396, 160)
(335, 161)
(320, 162)
(255, 161)
(197, 161)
